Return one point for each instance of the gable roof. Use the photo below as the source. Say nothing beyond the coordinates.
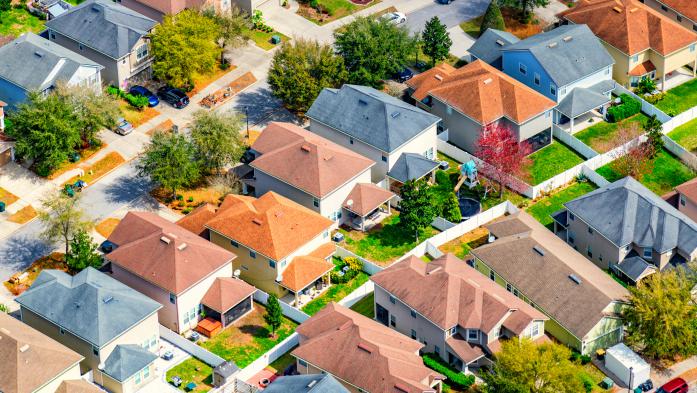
(683, 7)
(34, 63)
(303, 271)
(29, 358)
(319, 166)
(103, 25)
(630, 26)
(627, 212)
(91, 305)
(226, 293)
(196, 220)
(366, 197)
(584, 99)
(163, 253)
(126, 360)
(370, 116)
(567, 53)
(411, 166)
(306, 383)
(373, 356)
(481, 92)
(77, 386)
(490, 45)
(688, 189)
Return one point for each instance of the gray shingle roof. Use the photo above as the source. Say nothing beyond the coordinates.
(626, 212)
(308, 383)
(370, 116)
(103, 25)
(411, 166)
(34, 63)
(581, 100)
(90, 304)
(566, 59)
(635, 268)
(489, 46)
(126, 360)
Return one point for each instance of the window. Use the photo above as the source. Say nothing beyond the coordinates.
(515, 292)
(472, 334)
(449, 110)
(142, 52)
(692, 48)
(548, 114)
(244, 267)
(522, 68)
(413, 314)
(509, 288)
(535, 329)
(272, 264)
(315, 202)
(664, 8)
(492, 275)
(607, 71)
(453, 330)
(95, 351)
(393, 300)
(436, 349)
(413, 334)
(325, 234)
(283, 263)
(252, 254)
(552, 90)
(153, 341)
(572, 237)
(52, 35)
(648, 252)
(146, 372)
(351, 141)
(80, 46)
(590, 230)
(470, 262)
(393, 321)
(234, 244)
(600, 257)
(172, 298)
(589, 251)
(694, 27)
(635, 58)
(571, 217)
(302, 362)
(384, 158)
(682, 200)
(61, 331)
(678, 17)
(138, 378)
(537, 79)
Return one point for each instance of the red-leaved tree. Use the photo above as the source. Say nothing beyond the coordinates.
(506, 158)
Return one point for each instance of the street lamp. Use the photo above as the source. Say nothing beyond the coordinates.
(246, 115)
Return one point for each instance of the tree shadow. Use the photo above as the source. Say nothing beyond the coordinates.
(255, 331)
(263, 107)
(128, 187)
(17, 252)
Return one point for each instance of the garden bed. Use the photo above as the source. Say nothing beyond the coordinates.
(23, 215)
(53, 261)
(513, 25)
(201, 81)
(19, 20)
(336, 291)
(600, 137)
(686, 136)
(7, 197)
(550, 161)
(100, 168)
(331, 10)
(187, 200)
(679, 99)
(542, 208)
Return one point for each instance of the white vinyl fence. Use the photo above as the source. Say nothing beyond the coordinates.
(269, 357)
(646, 107)
(573, 142)
(191, 348)
(369, 267)
(683, 154)
(288, 310)
(359, 293)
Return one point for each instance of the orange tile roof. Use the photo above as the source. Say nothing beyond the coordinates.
(303, 271)
(196, 220)
(226, 293)
(685, 7)
(481, 92)
(366, 197)
(642, 69)
(631, 26)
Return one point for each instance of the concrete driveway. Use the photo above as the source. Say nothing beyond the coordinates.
(451, 15)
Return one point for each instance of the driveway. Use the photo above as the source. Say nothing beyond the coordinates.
(451, 15)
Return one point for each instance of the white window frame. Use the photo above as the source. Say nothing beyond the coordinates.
(469, 335)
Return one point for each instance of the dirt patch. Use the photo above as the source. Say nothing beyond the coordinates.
(20, 282)
(228, 92)
(202, 81)
(107, 226)
(463, 244)
(100, 168)
(7, 197)
(516, 27)
(165, 126)
(23, 215)
(187, 200)
(85, 154)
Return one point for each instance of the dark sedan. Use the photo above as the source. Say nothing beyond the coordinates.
(173, 96)
(142, 91)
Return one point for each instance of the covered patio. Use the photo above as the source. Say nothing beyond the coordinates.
(367, 205)
(305, 278)
(675, 78)
(633, 269)
(227, 300)
(462, 354)
(410, 166)
(583, 107)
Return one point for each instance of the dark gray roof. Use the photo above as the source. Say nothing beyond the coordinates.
(582, 100)
(411, 166)
(34, 63)
(308, 383)
(489, 46)
(626, 212)
(566, 59)
(91, 304)
(126, 360)
(103, 25)
(370, 116)
(635, 268)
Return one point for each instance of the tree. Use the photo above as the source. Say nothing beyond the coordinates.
(94, 110)
(525, 367)
(216, 138)
(493, 19)
(524, 6)
(274, 314)
(171, 161)
(645, 86)
(301, 69)
(373, 49)
(233, 29)
(184, 45)
(5, 5)
(661, 316)
(654, 131)
(63, 219)
(635, 159)
(417, 211)
(82, 253)
(505, 158)
(436, 40)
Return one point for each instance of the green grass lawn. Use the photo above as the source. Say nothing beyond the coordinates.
(193, 370)
(544, 207)
(600, 137)
(366, 306)
(279, 365)
(668, 171)
(472, 26)
(686, 135)
(335, 293)
(18, 20)
(263, 39)
(679, 99)
(551, 160)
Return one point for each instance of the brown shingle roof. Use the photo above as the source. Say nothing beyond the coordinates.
(464, 350)
(366, 197)
(164, 253)
(685, 7)
(305, 160)
(78, 386)
(688, 189)
(226, 293)
(481, 92)
(363, 352)
(631, 26)
(28, 358)
(196, 220)
(303, 271)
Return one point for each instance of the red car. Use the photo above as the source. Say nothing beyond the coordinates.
(677, 385)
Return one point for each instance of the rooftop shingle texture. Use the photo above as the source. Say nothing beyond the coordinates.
(196, 220)
(78, 386)
(481, 92)
(318, 166)
(370, 116)
(164, 253)
(28, 358)
(626, 212)
(582, 100)
(372, 356)
(34, 63)
(684, 7)
(308, 383)
(126, 360)
(411, 166)
(103, 25)
(303, 271)
(688, 189)
(490, 45)
(631, 26)
(636, 268)
(91, 305)
(467, 352)
(366, 197)
(567, 53)
(226, 293)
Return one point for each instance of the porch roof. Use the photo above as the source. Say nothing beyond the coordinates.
(642, 69)
(365, 198)
(635, 268)
(582, 100)
(464, 350)
(226, 293)
(303, 271)
(411, 166)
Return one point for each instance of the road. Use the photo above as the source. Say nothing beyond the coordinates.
(451, 15)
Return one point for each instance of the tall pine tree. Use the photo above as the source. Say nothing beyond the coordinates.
(493, 19)
(435, 40)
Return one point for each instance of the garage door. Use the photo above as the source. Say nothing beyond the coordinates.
(5, 157)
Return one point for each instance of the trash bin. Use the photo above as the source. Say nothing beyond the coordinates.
(74, 157)
(275, 39)
(606, 383)
(2, 207)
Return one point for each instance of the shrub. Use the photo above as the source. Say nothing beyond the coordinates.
(455, 378)
(654, 98)
(190, 199)
(587, 381)
(180, 197)
(585, 359)
(354, 267)
(443, 178)
(114, 91)
(628, 107)
(451, 209)
(139, 102)
(354, 263)
(645, 85)
(493, 19)
(187, 210)
(181, 204)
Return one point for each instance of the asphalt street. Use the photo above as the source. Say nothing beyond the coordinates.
(451, 15)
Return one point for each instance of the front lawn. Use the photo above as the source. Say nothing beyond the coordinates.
(192, 370)
(263, 39)
(23, 215)
(513, 25)
(330, 10)
(601, 137)
(667, 173)
(679, 99)
(135, 116)
(550, 161)
(335, 293)
(19, 20)
(544, 207)
(366, 306)
(686, 135)
(107, 226)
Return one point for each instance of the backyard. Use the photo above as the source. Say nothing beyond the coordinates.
(336, 291)
(365, 306)
(18, 20)
(601, 137)
(544, 207)
(462, 246)
(686, 135)
(679, 99)
(193, 370)
(550, 161)
(513, 25)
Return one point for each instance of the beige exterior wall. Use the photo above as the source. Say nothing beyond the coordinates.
(688, 207)
(190, 300)
(130, 385)
(72, 373)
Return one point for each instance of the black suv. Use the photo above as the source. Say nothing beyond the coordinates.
(173, 96)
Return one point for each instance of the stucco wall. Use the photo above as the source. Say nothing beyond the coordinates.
(689, 208)
(192, 298)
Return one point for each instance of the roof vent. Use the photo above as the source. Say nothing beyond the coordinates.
(257, 221)
(181, 247)
(567, 38)
(24, 348)
(165, 239)
(39, 53)
(107, 299)
(328, 157)
(617, 9)
(633, 10)
(305, 147)
(4, 331)
(362, 102)
(539, 250)
(173, 236)
(395, 114)
(487, 81)
(500, 42)
(311, 384)
(575, 279)
(438, 77)
(364, 347)
(553, 45)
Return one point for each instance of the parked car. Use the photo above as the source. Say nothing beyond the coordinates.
(106, 246)
(395, 17)
(173, 96)
(404, 75)
(169, 355)
(138, 90)
(677, 385)
(123, 127)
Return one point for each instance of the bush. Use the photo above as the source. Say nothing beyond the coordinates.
(190, 199)
(354, 267)
(180, 197)
(587, 381)
(645, 85)
(187, 210)
(443, 178)
(139, 102)
(493, 19)
(455, 378)
(585, 359)
(114, 91)
(628, 107)
(451, 209)
(654, 98)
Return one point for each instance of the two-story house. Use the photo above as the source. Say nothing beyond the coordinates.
(583, 303)
(33, 64)
(643, 42)
(687, 199)
(306, 383)
(625, 227)
(682, 11)
(490, 45)
(111, 325)
(452, 309)
(109, 34)
(470, 98)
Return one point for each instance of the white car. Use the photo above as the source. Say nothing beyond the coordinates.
(395, 17)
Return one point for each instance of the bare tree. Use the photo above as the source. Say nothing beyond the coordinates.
(634, 158)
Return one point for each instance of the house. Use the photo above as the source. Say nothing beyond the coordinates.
(7, 144)
(112, 326)
(568, 65)
(643, 42)
(373, 358)
(321, 177)
(489, 47)
(109, 34)
(625, 227)
(49, 9)
(306, 383)
(32, 63)
(454, 310)
(185, 273)
(687, 199)
(583, 303)
(33, 362)
(375, 125)
(158, 9)
(682, 11)
(477, 95)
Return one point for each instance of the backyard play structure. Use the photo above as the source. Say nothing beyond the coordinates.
(468, 175)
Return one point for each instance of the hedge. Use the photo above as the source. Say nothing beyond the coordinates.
(455, 378)
(628, 108)
(139, 102)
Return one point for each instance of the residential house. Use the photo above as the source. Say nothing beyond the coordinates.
(452, 309)
(490, 45)
(306, 383)
(625, 227)
(378, 126)
(109, 34)
(158, 9)
(682, 11)
(583, 303)
(7, 144)
(643, 42)
(185, 273)
(362, 354)
(33, 64)
(687, 199)
(112, 326)
(470, 98)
